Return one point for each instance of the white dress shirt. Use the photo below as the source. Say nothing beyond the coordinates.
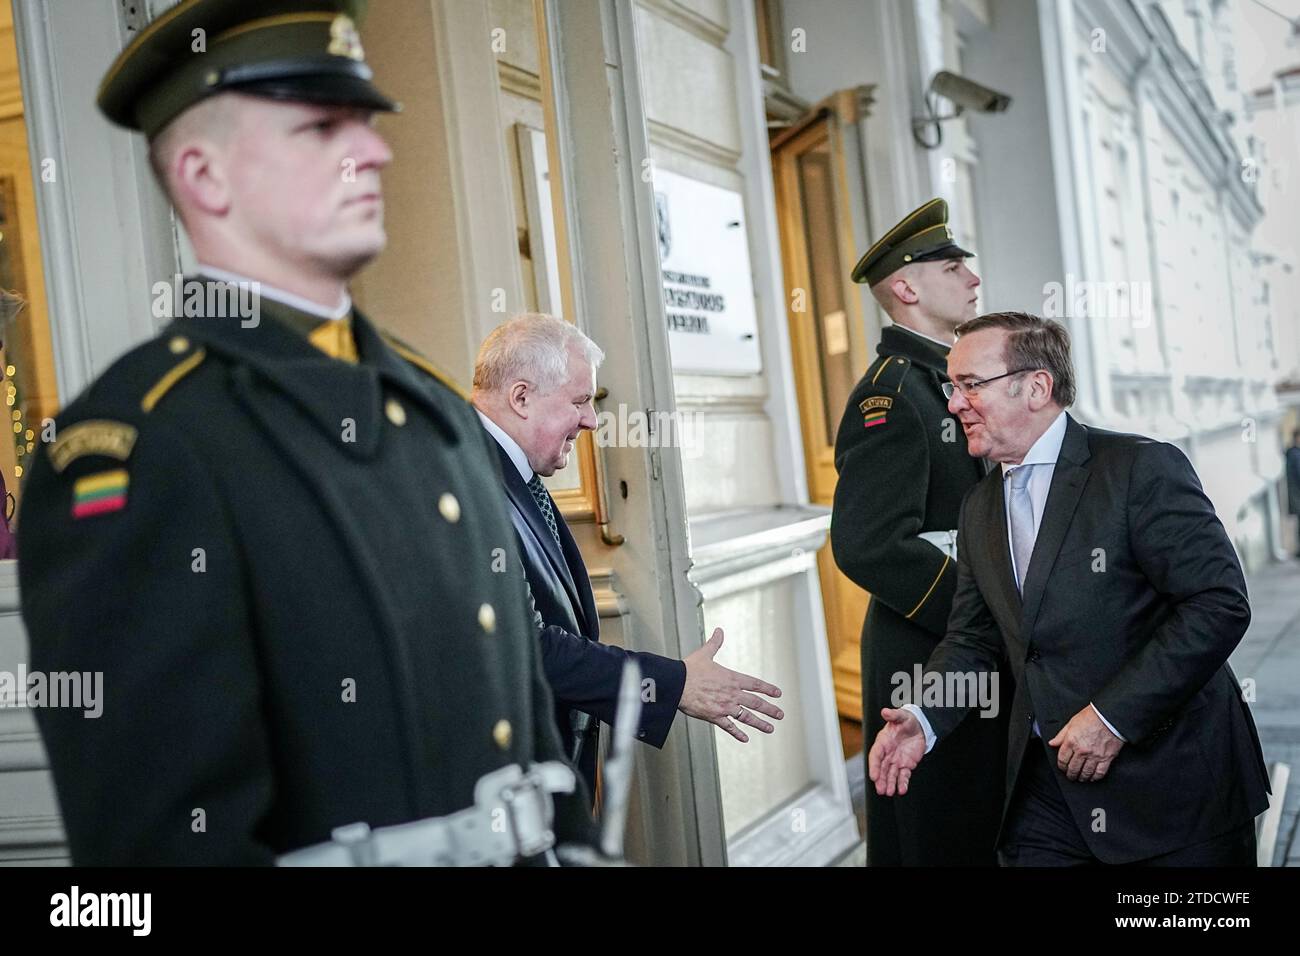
(1043, 454)
(279, 295)
(510, 445)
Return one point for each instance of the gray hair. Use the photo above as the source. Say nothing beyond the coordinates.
(533, 347)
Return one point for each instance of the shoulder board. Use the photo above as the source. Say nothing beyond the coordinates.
(423, 364)
(189, 359)
(888, 372)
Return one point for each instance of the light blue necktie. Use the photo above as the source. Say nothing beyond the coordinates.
(1022, 522)
(1022, 530)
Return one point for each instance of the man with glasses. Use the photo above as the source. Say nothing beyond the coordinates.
(903, 469)
(970, 389)
(1094, 563)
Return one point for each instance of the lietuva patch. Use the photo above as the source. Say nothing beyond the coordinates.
(876, 401)
(92, 437)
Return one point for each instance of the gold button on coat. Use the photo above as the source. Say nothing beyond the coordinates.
(449, 507)
(501, 733)
(178, 344)
(395, 412)
(487, 617)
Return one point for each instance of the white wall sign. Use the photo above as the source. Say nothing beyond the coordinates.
(708, 289)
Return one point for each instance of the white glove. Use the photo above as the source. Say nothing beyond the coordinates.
(945, 541)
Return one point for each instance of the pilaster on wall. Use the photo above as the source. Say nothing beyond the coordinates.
(447, 277)
(591, 85)
(104, 225)
(1067, 139)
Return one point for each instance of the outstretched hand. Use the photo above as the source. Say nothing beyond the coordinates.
(898, 748)
(719, 695)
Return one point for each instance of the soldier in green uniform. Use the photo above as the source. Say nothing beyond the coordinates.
(277, 533)
(903, 471)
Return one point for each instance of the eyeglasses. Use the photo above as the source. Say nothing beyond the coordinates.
(970, 388)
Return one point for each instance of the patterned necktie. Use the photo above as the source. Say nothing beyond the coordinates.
(544, 505)
(1022, 522)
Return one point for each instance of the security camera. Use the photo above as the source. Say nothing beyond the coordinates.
(968, 94)
(964, 94)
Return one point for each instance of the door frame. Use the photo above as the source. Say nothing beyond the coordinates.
(832, 120)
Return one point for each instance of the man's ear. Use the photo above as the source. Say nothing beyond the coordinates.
(199, 178)
(1041, 387)
(519, 396)
(903, 290)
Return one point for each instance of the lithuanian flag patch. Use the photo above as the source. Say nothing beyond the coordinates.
(100, 493)
(875, 409)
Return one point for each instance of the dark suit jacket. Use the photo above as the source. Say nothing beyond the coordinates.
(1133, 601)
(583, 673)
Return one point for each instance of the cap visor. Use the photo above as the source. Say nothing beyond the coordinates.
(323, 89)
(859, 273)
(949, 250)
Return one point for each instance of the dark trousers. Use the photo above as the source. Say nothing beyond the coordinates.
(1040, 830)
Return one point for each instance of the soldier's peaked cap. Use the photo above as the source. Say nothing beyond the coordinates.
(303, 50)
(922, 236)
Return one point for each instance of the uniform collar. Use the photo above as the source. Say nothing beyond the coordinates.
(268, 291)
(946, 346)
(899, 340)
(330, 392)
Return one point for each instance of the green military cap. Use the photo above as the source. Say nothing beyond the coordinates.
(305, 50)
(922, 236)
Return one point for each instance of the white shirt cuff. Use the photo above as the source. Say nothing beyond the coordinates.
(925, 725)
(1109, 725)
